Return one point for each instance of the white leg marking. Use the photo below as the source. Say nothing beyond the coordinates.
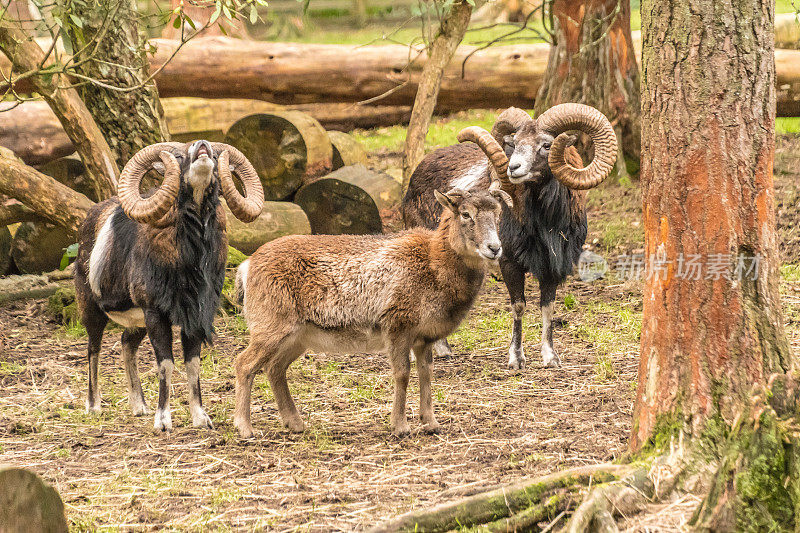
(163, 420)
(549, 356)
(516, 355)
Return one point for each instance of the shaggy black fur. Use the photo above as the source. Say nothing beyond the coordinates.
(550, 239)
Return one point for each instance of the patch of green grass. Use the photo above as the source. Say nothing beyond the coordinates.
(570, 301)
(619, 233)
(787, 125)
(363, 393)
(790, 272)
(442, 131)
(74, 329)
(8, 368)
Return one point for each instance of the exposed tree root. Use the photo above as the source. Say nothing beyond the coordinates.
(524, 503)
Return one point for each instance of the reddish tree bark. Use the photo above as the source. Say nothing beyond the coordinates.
(592, 61)
(713, 346)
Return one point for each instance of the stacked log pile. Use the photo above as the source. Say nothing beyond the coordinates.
(314, 181)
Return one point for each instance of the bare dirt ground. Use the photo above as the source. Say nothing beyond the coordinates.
(346, 472)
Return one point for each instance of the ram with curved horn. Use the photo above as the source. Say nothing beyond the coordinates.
(150, 262)
(534, 161)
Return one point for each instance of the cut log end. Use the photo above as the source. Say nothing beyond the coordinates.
(276, 220)
(348, 201)
(27, 503)
(286, 148)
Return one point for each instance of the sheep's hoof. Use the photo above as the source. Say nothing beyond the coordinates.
(401, 430)
(201, 420)
(92, 408)
(295, 425)
(431, 427)
(163, 420)
(550, 358)
(516, 359)
(245, 429)
(139, 408)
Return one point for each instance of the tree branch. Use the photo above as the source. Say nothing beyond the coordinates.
(78, 123)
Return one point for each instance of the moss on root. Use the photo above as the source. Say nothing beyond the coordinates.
(62, 306)
(757, 484)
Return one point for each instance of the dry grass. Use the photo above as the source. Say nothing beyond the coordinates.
(346, 471)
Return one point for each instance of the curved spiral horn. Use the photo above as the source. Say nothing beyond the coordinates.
(152, 209)
(246, 208)
(492, 149)
(509, 122)
(565, 117)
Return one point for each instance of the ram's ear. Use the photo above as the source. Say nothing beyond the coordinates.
(452, 199)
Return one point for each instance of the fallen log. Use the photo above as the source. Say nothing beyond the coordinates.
(12, 212)
(299, 73)
(27, 503)
(13, 288)
(346, 150)
(71, 172)
(32, 131)
(287, 149)
(39, 246)
(348, 200)
(276, 220)
(44, 195)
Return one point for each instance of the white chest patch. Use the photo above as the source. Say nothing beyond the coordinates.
(99, 255)
(470, 178)
(132, 318)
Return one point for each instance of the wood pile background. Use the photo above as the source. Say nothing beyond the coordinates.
(314, 180)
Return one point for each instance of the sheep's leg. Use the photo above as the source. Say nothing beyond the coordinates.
(275, 353)
(548, 295)
(159, 330)
(424, 357)
(276, 372)
(401, 369)
(131, 338)
(514, 278)
(246, 365)
(95, 320)
(191, 358)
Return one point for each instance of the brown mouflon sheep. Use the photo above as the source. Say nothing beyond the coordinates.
(150, 263)
(349, 293)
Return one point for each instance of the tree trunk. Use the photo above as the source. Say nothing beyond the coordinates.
(129, 120)
(451, 32)
(75, 118)
(713, 339)
(593, 62)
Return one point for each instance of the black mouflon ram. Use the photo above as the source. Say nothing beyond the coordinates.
(150, 263)
(535, 162)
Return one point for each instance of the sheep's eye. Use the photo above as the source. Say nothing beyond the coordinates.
(465, 215)
(547, 146)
